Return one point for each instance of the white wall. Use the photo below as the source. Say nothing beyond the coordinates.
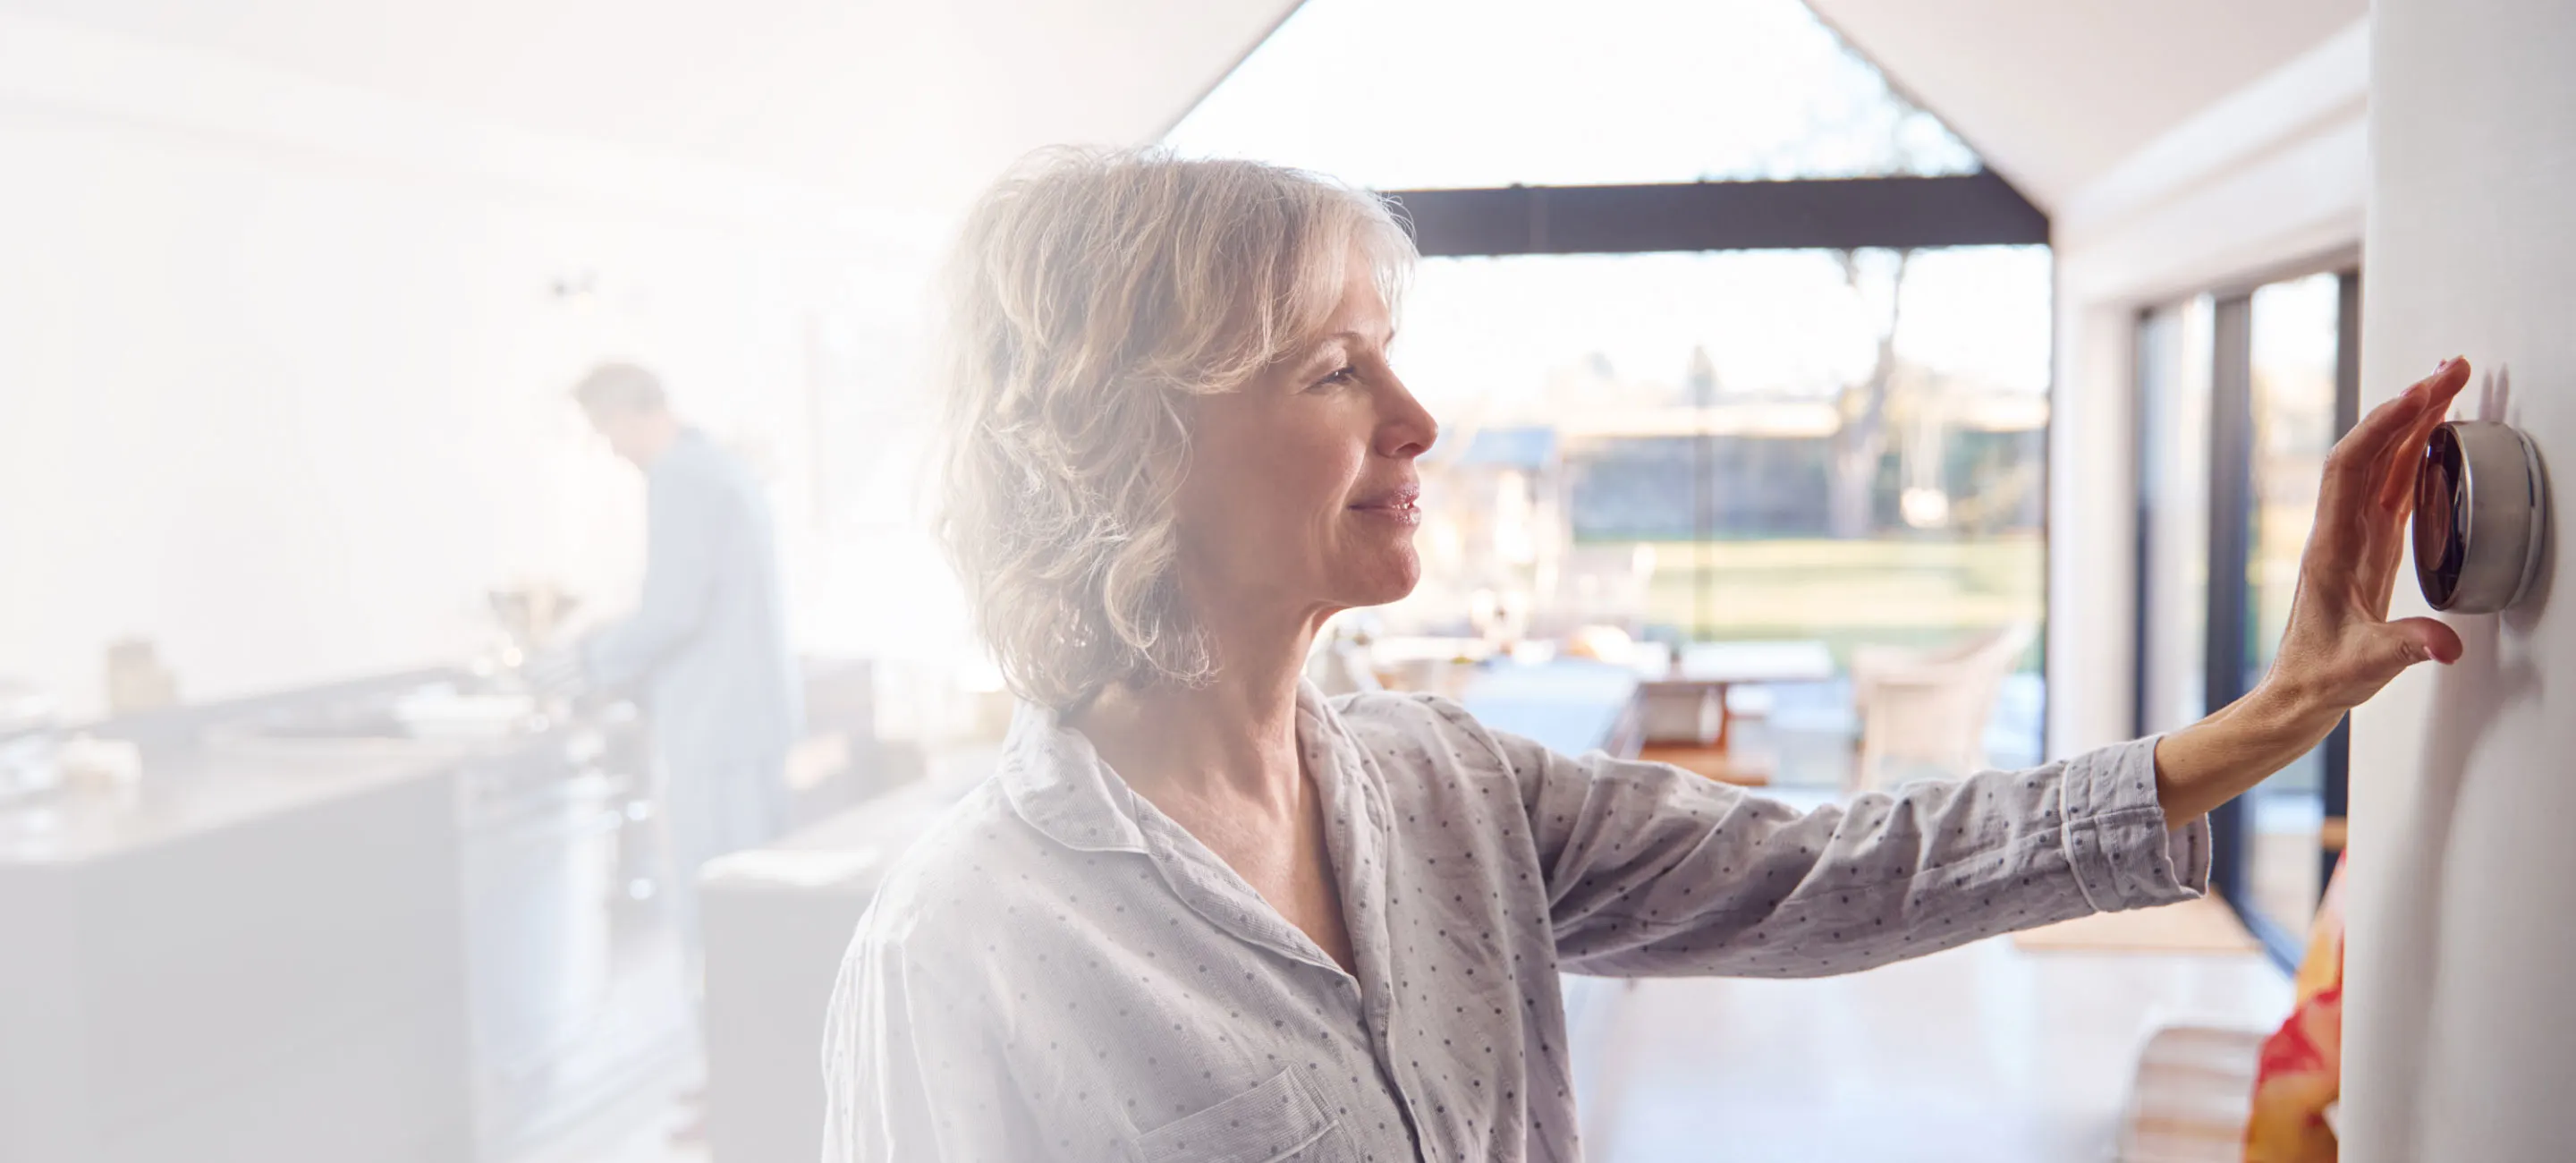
(2459, 1039)
(282, 364)
(2268, 178)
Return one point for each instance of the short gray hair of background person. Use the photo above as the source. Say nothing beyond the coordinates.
(1091, 295)
(620, 388)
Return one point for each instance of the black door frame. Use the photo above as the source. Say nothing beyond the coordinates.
(2226, 645)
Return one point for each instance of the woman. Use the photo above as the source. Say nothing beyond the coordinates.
(1202, 913)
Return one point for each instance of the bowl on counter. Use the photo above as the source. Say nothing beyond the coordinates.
(443, 712)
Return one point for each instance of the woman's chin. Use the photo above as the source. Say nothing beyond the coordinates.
(1389, 580)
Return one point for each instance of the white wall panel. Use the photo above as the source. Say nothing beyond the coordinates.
(2459, 1039)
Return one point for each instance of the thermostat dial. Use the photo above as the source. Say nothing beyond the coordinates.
(2481, 514)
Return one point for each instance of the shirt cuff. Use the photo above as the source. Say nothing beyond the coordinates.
(2121, 852)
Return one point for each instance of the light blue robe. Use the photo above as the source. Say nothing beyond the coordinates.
(707, 648)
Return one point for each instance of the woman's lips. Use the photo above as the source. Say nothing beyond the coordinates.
(1400, 504)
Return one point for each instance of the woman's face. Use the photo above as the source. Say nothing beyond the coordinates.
(1301, 494)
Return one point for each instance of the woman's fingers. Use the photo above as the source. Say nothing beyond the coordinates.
(2350, 522)
(2339, 641)
(2401, 463)
(2404, 457)
(2373, 654)
(2357, 548)
(2431, 638)
(2358, 457)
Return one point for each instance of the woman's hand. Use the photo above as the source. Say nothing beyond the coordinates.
(2340, 647)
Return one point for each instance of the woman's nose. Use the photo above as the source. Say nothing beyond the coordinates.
(1408, 429)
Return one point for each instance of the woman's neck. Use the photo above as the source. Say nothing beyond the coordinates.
(1233, 737)
(1220, 760)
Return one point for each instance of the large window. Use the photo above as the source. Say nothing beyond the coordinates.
(1730, 341)
(1845, 447)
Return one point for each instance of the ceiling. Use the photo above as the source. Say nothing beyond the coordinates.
(2053, 94)
(917, 104)
(899, 104)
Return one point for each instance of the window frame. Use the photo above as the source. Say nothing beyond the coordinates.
(1898, 213)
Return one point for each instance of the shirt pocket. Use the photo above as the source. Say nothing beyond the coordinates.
(1274, 1122)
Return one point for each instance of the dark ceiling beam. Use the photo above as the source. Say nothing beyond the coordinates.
(1980, 209)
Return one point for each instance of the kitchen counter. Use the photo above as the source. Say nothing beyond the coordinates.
(219, 787)
(253, 957)
(299, 935)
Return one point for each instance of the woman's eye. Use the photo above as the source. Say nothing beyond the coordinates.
(1344, 376)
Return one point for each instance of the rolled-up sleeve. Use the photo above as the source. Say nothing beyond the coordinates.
(2120, 851)
(1653, 870)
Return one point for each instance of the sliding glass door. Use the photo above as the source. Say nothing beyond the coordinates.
(2240, 396)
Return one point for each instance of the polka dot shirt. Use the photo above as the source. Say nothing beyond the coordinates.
(1058, 971)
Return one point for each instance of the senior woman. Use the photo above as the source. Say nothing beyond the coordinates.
(1201, 912)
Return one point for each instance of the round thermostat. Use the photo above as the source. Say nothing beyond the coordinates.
(2481, 513)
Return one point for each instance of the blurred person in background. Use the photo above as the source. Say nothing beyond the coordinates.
(1203, 911)
(706, 648)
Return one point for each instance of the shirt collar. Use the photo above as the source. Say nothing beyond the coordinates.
(687, 443)
(1056, 781)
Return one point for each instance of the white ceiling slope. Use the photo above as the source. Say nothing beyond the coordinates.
(2055, 94)
(900, 104)
(916, 104)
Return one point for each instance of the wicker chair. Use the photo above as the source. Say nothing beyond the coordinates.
(1925, 712)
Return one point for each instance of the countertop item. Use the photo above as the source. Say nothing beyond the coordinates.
(28, 741)
(24, 706)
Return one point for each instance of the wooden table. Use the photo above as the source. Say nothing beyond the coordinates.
(1706, 668)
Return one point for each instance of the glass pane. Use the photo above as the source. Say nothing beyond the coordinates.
(1412, 94)
(2173, 471)
(1742, 446)
(2294, 332)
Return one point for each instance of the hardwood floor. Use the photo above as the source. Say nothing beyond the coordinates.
(1983, 1053)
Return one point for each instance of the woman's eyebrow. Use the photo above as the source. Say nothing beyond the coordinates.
(1302, 356)
(1338, 342)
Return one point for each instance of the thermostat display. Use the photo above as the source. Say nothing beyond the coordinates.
(2481, 514)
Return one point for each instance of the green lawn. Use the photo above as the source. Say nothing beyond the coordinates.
(1892, 590)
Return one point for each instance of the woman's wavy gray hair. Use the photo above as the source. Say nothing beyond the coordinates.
(1092, 292)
